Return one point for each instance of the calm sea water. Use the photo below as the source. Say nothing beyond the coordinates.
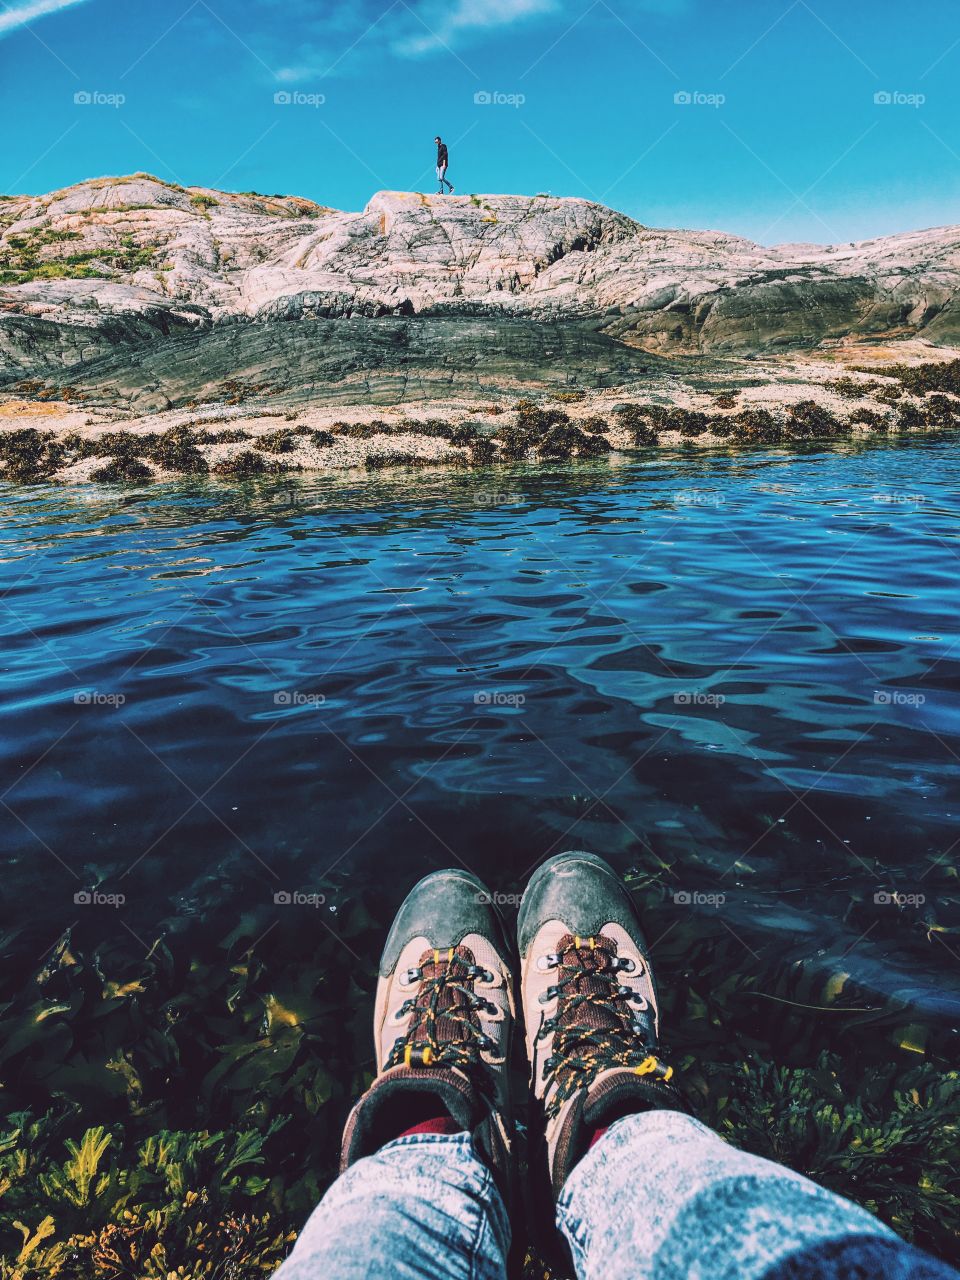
(738, 675)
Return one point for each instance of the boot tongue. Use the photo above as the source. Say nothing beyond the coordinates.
(589, 958)
(448, 1015)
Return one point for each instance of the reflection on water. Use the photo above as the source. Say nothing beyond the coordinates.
(739, 672)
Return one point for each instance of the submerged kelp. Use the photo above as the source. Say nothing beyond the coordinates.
(111, 1211)
(180, 1106)
(183, 1106)
(887, 1139)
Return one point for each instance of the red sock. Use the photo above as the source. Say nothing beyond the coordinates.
(597, 1135)
(439, 1124)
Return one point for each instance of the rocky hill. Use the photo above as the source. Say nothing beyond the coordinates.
(156, 292)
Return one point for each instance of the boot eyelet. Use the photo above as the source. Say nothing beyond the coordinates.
(549, 961)
(551, 993)
(627, 965)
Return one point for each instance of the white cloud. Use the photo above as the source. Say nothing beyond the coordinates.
(439, 25)
(350, 37)
(18, 15)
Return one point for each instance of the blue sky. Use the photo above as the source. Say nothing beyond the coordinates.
(782, 137)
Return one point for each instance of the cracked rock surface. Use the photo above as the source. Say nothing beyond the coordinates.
(155, 291)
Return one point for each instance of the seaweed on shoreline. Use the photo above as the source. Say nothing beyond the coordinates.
(808, 420)
(568, 441)
(122, 468)
(634, 418)
(176, 450)
(283, 441)
(246, 464)
(755, 426)
(379, 459)
(29, 455)
(920, 378)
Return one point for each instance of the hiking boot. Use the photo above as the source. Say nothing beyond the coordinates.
(450, 191)
(443, 1021)
(590, 1006)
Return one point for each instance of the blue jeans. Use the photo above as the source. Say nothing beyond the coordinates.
(659, 1197)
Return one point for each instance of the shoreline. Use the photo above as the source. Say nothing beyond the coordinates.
(56, 434)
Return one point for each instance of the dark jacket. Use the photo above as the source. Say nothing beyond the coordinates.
(441, 155)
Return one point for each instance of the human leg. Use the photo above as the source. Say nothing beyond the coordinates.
(431, 1203)
(424, 1207)
(643, 1191)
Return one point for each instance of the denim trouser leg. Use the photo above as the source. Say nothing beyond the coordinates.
(422, 1208)
(661, 1197)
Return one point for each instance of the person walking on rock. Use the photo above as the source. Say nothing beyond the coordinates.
(442, 161)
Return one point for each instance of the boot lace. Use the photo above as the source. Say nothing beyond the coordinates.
(444, 1026)
(598, 1023)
